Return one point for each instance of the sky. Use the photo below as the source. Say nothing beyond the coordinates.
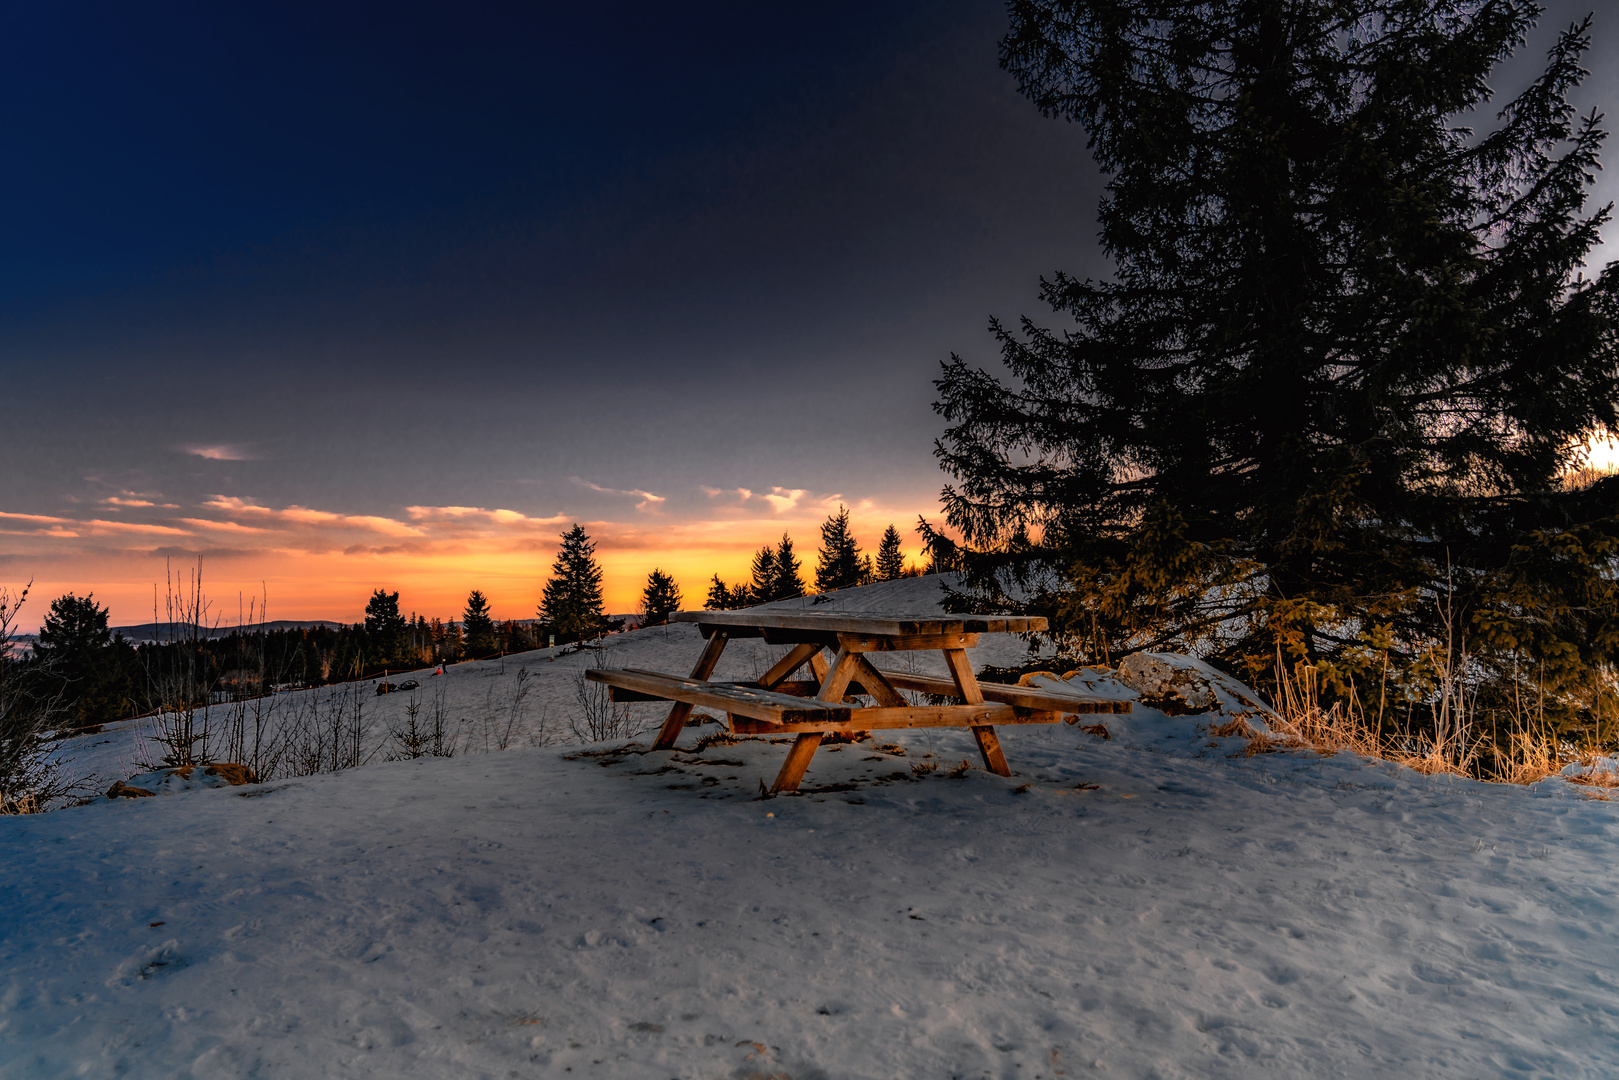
(339, 297)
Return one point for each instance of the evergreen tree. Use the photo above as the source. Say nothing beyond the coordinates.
(31, 768)
(762, 589)
(1321, 407)
(386, 628)
(839, 565)
(660, 598)
(785, 582)
(720, 598)
(90, 671)
(890, 562)
(477, 626)
(382, 614)
(572, 601)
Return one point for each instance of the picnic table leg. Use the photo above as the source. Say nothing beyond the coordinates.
(961, 670)
(791, 663)
(797, 763)
(833, 683)
(873, 683)
(678, 712)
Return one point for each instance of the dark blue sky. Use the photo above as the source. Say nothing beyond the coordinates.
(361, 258)
(478, 226)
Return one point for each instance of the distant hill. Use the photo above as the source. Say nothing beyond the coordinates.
(168, 631)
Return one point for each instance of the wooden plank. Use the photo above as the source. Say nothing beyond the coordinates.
(863, 623)
(866, 643)
(1023, 697)
(800, 655)
(873, 683)
(723, 697)
(966, 683)
(962, 678)
(795, 687)
(621, 695)
(836, 680)
(989, 748)
(819, 665)
(915, 716)
(675, 722)
(797, 763)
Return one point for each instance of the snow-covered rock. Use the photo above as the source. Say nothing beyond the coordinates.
(182, 778)
(1166, 684)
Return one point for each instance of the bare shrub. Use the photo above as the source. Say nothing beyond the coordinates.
(328, 733)
(418, 736)
(179, 678)
(502, 722)
(32, 776)
(598, 717)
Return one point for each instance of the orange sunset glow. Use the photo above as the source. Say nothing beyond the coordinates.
(312, 563)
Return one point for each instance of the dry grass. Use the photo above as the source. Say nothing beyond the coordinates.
(1529, 754)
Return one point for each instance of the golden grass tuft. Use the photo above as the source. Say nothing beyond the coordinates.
(1529, 754)
(1233, 729)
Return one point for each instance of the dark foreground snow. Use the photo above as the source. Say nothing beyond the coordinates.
(523, 914)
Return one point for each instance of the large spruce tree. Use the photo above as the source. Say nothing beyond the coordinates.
(1323, 405)
(572, 600)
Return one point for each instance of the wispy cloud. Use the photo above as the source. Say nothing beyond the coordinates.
(782, 499)
(477, 516)
(221, 451)
(123, 502)
(44, 525)
(649, 501)
(303, 515)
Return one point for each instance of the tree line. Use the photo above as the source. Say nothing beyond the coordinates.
(95, 675)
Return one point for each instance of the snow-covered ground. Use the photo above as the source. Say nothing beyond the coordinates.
(1151, 905)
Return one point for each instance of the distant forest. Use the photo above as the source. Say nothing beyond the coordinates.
(85, 673)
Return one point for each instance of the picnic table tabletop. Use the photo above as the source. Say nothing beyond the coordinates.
(874, 624)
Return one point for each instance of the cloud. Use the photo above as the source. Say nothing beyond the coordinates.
(648, 501)
(40, 519)
(742, 494)
(221, 526)
(477, 521)
(204, 553)
(303, 515)
(782, 500)
(67, 527)
(221, 452)
(99, 526)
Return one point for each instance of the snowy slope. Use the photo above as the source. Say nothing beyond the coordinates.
(567, 911)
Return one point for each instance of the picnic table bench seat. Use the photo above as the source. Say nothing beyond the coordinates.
(789, 706)
(632, 684)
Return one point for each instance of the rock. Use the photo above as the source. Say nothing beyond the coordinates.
(183, 778)
(1165, 685)
(121, 790)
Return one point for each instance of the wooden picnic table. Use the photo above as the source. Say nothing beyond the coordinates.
(776, 703)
